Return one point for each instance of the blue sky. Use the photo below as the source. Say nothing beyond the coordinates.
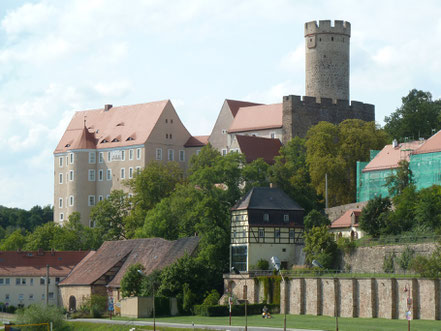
(60, 56)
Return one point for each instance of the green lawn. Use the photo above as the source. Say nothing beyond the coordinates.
(311, 322)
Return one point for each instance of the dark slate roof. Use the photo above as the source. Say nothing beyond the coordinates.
(266, 198)
(152, 253)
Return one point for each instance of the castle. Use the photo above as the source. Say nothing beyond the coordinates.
(101, 148)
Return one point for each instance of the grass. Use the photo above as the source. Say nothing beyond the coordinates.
(309, 322)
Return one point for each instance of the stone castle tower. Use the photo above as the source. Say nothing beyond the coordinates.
(327, 59)
(327, 82)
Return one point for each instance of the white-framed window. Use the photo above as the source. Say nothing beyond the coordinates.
(42, 281)
(61, 217)
(7, 281)
(51, 295)
(291, 233)
(123, 173)
(60, 202)
(1, 281)
(61, 178)
(72, 158)
(60, 160)
(138, 153)
(273, 135)
(92, 157)
(130, 172)
(17, 281)
(6, 296)
(21, 296)
(31, 282)
(224, 152)
(100, 175)
(286, 218)
(42, 296)
(138, 170)
(131, 151)
(31, 297)
(91, 200)
(266, 217)
(71, 200)
(91, 175)
(108, 156)
(171, 154)
(198, 151)
(159, 154)
(109, 174)
(123, 155)
(182, 156)
(261, 233)
(101, 157)
(71, 175)
(107, 196)
(67, 160)
(224, 131)
(100, 198)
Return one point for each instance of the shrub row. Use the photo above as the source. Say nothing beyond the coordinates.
(236, 310)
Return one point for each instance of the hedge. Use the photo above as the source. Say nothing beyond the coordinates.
(237, 310)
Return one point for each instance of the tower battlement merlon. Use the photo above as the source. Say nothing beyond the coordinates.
(326, 27)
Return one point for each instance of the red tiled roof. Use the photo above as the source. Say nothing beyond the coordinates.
(119, 126)
(344, 221)
(258, 147)
(152, 253)
(257, 118)
(234, 105)
(431, 145)
(389, 156)
(197, 141)
(13, 263)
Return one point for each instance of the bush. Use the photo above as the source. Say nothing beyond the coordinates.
(11, 309)
(36, 314)
(429, 267)
(162, 306)
(95, 305)
(405, 258)
(237, 310)
(346, 245)
(262, 264)
(388, 264)
(212, 298)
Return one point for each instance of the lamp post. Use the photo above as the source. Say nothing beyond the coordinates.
(153, 294)
(276, 263)
(237, 272)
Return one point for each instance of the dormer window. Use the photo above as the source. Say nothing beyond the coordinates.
(129, 139)
(266, 217)
(120, 124)
(67, 145)
(104, 141)
(115, 140)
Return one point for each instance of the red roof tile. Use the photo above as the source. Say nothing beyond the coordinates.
(14, 263)
(234, 105)
(257, 118)
(344, 221)
(258, 147)
(119, 126)
(197, 141)
(431, 145)
(389, 156)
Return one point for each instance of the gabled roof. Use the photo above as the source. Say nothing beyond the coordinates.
(257, 118)
(258, 147)
(197, 141)
(389, 156)
(33, 263)
(152, 253)
(431, 145)
(114, 127)
(345, 221)
(234, 105)
(270, 198)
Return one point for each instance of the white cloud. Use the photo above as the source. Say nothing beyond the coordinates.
(273, 94)
(116, 88)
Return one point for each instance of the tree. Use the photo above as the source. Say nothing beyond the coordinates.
(373, 218)
(315, 219)
(16, 240)
(417, 117)
(429, 267)
(428, 207)
(255, 174)
(109, 215)
(132, 281)
(290, 173)
(152, 283)
(321, 246)
(397, 181)
(43, 237)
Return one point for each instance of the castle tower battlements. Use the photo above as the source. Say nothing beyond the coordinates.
(327, 59)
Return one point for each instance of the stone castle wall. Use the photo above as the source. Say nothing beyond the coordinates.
(300, 113)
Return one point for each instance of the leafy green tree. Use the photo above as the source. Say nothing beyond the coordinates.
(132, 282)
(374, 215)
(417, 116)
(402, 218)
(400, 179)
(314, 219)
(109, 215)
(43, 237)
(38, 313)
(212, 298)
(255, 174)
(321, 246)
(428, 207)
(151, 283)
(429, 267)
(16, 240)
(290, 173)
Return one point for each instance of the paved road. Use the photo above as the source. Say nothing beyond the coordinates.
(179, 325)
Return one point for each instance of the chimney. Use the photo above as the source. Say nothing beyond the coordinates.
(107, 107)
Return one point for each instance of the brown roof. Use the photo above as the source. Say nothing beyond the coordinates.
(13, 263)
(431, 145)
(152, 253)
(389, 156)
(257, 118)
(258, 147)
(197, 141)
(116, 127)
(234, 105)
(344, 221)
